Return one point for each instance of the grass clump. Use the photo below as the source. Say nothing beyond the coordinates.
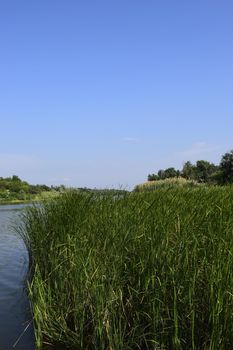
(139, 270)
(167, 183)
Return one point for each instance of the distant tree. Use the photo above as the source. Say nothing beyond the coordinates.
(152, 177)
(15, 188)
(170, 172)
(204, 170)
(216, 177)
(188, 171)
(62, 188)
(164, 174)
(15, 178)
(21, 195)
(226, 166)
(161, 174)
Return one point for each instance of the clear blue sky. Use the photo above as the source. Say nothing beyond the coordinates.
(101, 93)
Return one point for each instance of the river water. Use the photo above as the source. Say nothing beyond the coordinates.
(16, 327)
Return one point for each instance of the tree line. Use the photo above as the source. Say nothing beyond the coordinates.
(201, 171)
(15, 188)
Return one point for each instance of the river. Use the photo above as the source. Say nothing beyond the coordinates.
(16, 327)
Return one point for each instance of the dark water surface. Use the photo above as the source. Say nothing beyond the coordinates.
(16, 328)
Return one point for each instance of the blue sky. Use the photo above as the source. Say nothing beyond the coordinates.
(102, 93)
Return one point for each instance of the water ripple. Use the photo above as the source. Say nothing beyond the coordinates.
(15, 314)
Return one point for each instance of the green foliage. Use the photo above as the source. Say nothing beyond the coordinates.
(136, 271)
(226, 166)
(14, 189)
(152, 177)
(202, 171)
(188, 171)
(166, 183)
(170, 172)
(164, 174)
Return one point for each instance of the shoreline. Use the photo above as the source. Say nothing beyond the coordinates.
(16, 202)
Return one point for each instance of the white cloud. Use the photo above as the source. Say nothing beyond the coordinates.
(198, 149)
(66, 179)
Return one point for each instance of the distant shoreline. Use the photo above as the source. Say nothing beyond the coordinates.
(17, 202)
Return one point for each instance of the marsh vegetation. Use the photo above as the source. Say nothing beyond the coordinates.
(139, 270)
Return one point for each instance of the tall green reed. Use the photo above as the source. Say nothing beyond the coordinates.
(133, 271)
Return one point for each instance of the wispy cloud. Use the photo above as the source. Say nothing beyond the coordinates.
(66, 179)
(198, 149)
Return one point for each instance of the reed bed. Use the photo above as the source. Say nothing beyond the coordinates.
(146, 270)
(167, 183)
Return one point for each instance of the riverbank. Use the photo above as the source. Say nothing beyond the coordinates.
(16, 201)
(33, 199)
(134, 271)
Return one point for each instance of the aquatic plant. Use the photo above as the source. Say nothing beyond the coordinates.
(140, 270)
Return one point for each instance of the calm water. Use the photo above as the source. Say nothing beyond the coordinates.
(16, 329)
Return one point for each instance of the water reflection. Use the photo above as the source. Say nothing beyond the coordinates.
(16, 329)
